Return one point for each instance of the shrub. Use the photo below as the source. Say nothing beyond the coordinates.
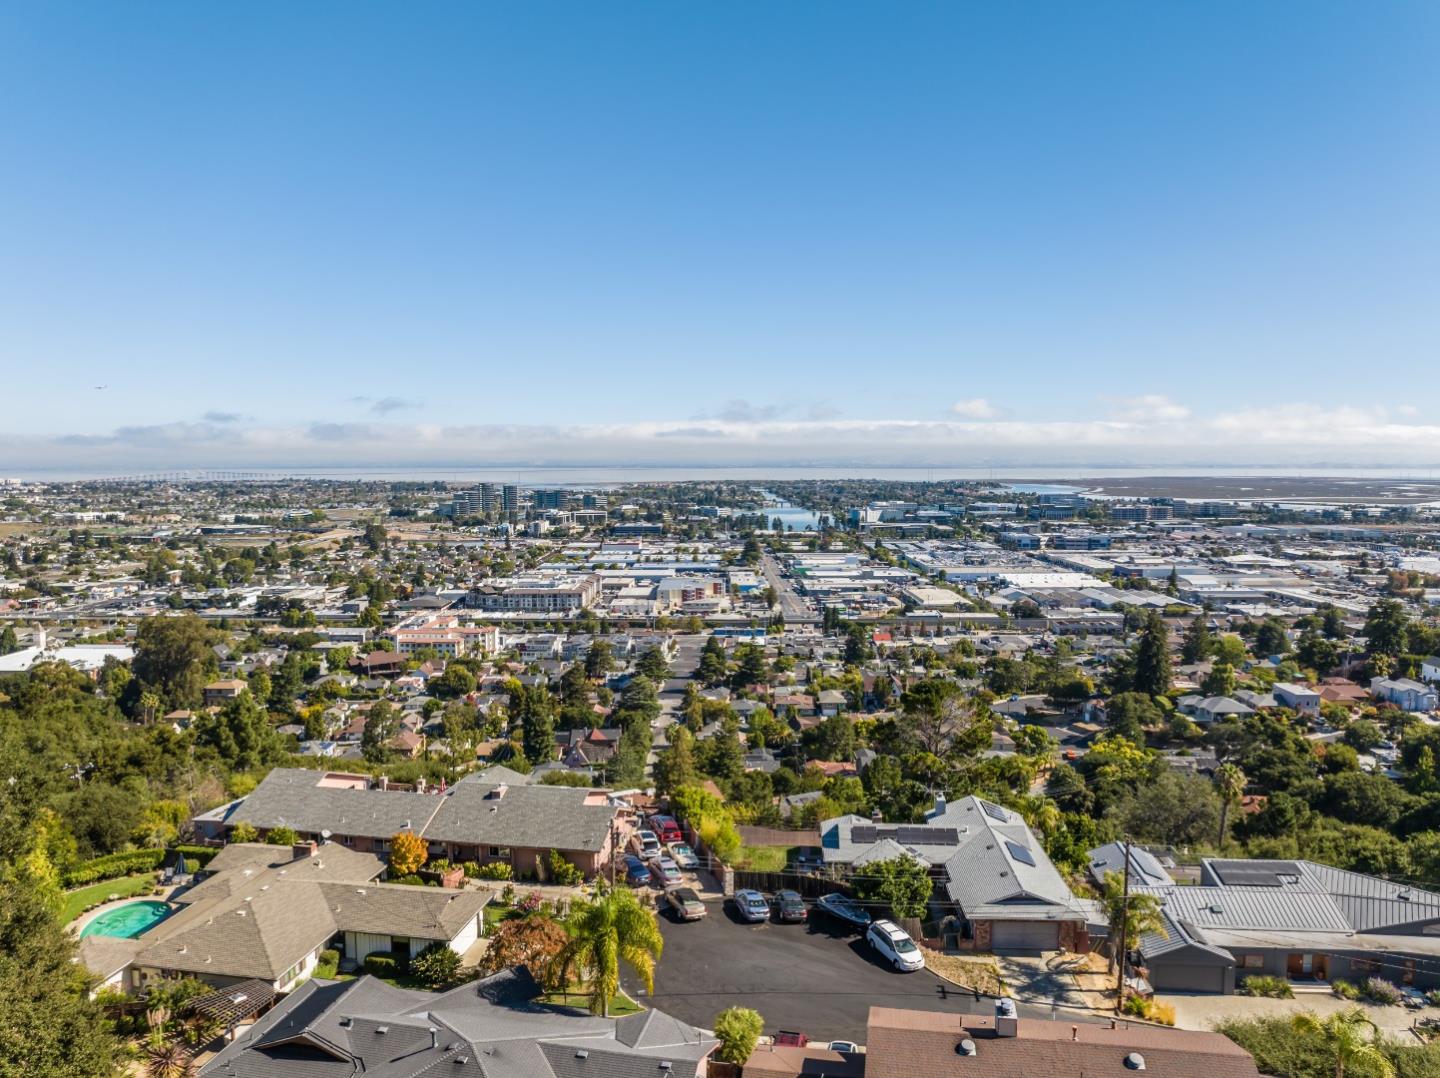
(281, 836)
(1345, 990)
(531, 902)
(1134, 1005)
(470, 868)
(1432, 997)
(435, 966)
(244, 832)
(507, 895)
(440, 864)
(1269, 987)
(411, 880)
(1164, 1013)
(562, 871)
(328, 965)
(197, 856)
(738, 1029)
(495, 870)
(1379, 990)
(381, 964)
(112, 865)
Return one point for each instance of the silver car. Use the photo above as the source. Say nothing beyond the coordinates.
(751, 906)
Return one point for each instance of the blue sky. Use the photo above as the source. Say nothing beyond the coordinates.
(918, 233)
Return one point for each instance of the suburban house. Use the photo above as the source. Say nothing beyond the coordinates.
(1205, 709)
(936, 1044)
(1297, 698)
(1430, 669)
(219, 693)
(485, 817)
(1293, 919)
(266, 912)
(1146, 870)
(490, 1027)
(993, 872)
(1405, 694)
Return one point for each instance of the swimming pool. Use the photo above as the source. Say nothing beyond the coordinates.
(127, 921)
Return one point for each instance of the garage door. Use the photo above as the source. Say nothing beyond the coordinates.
(1176, 978)
(1011, 936)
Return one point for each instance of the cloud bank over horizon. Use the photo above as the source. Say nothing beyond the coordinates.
(1143, 431)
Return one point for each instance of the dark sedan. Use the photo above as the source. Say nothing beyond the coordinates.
(789, 907)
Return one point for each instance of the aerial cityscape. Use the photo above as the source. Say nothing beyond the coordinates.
(756, 541)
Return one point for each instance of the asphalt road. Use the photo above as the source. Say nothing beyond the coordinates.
(793, 607)
(813, 978)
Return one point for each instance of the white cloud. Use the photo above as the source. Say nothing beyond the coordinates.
(1291, 435)
(975, 408)
(1147, 408)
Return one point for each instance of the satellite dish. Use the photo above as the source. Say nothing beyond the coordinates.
(325, 835)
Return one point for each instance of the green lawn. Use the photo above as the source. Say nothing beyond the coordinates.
(495, 913)
(76, 902)
(764, 858)
(574, 995)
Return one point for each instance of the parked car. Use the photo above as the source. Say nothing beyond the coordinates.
(637, 872)
(683, 856)
(844, 909)
(789, 907)
(665, 871)
(685, 903)
(668, 828)
(895, 945)
(646, 844)
(751, 906)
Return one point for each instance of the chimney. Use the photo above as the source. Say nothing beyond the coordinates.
(434, 1037)
(939, 805)
(1074, 1033)
(1006, 1022)
(301, 850)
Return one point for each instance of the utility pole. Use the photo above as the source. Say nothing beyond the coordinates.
(1124, 925)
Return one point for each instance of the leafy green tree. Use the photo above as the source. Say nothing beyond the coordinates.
(738, 1030)
(653, 665)
(599, 660)
(48, 1025)
(832, 739)
(9, 642)
(173, 657)
(240, 732)
(382, 723)
(750, 666)
(244, 832)
(1387, 629)
(281, 836)
(713, 668)
(610, 929)
(902, 883)
(1130, 714)
(1220, 681)
(1271, 638)
(436, 966)
(456, 681)
(675, 766)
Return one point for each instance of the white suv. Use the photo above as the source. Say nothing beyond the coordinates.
(896, 946)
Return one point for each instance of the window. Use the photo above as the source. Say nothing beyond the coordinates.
(1250, 961)
(500, 851)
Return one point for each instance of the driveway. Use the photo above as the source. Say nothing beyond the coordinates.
(814, 978)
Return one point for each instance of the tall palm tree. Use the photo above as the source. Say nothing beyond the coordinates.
(1140, 915)
(1230, 781)
(1351, 1036)
(609, 929)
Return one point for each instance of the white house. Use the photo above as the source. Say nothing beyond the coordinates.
(1297, 697)
(1430, 668)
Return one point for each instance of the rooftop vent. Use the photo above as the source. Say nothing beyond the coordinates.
(965, 1048)
(345, 1021)
(1403, 896)
(580, 1053)
(665, 1065)
(382, 1029)
(1217, 908)
(462, 1060)
(1135, 1062)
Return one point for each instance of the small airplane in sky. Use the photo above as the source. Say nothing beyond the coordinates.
(102, 387)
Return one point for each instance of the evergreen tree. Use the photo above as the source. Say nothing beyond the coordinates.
(675, 766)
(1198, 641)
(1152, 658)
(9, 643)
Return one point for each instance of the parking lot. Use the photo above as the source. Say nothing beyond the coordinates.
(814, 978)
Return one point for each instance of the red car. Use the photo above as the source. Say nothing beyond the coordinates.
(668, 828)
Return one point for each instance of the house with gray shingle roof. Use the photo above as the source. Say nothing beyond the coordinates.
(1294, 919)
(491, 1028)
(266, 912)
(485, 817)
(989, 867)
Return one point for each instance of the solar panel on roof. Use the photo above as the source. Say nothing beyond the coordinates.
(995, 812)
(1259, 874)
(928, 836)
(862, 834)
(1020, 853)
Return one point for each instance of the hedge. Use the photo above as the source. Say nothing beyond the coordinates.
(128, 862)
(380, 964)
(113, 865)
